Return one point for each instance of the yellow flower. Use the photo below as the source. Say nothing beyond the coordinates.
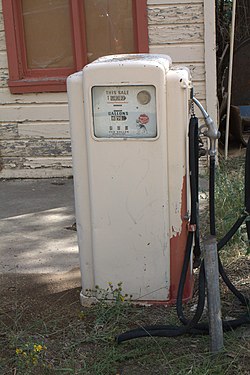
(18, 351)
(37, 348)
(122, 298)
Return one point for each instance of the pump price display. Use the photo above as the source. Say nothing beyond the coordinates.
(124, 111)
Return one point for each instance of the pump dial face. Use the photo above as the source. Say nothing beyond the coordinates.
(143, 97)
(124, 111)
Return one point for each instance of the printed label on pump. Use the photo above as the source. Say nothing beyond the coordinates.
(124, 111)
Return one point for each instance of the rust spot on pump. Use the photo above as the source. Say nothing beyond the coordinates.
(177, 252)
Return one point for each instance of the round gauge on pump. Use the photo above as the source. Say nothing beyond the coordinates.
(143, 97)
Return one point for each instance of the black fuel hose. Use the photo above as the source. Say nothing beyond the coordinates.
(193, 173)
(247, 190)
(194, 180)
(189, 325)
(244, 300)
(211, 195)
(192, 326)
(247, 179)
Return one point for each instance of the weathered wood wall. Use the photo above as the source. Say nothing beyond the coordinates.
(177, 28)
(34, 128)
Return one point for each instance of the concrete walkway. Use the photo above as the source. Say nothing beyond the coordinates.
(34, 218)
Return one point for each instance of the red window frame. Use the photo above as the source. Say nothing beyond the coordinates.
(24, 80)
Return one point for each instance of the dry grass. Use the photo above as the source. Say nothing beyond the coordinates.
(77, 340)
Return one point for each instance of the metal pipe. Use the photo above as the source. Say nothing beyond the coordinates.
(230, 73)
(213, 294)
(202, 109)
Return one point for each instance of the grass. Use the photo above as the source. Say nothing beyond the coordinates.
(229, 196)
(80, 345)
(61, 337)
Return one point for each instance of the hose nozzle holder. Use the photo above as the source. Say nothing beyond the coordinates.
(211, 129)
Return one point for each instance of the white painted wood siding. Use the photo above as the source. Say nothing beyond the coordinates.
(34, 128)
(184, 30)
(176, 28)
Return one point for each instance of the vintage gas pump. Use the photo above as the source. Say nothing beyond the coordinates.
(129, 118)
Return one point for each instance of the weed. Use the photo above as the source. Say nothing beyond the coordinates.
(57, 336)
(29, 354)
(112, 304)
(229, 202)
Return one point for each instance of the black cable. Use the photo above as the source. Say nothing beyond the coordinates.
(194, 142)
(227, 325)
(211, 195)
(223, 274)
(247, 190)
(231, 232)
(193, 172)
(247, 179)
(244, 300)
(192, 326)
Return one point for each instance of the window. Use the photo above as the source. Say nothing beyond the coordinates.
(49, 39)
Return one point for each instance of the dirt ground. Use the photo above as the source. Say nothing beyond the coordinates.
(35, 306)
(61, 291)
(40, 292)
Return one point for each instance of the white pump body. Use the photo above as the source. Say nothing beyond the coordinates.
(129, 119)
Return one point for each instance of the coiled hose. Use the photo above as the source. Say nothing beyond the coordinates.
(193, 326)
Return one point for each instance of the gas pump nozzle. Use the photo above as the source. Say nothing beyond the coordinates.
(212, 132)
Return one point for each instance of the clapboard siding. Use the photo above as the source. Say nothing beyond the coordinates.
(200, 89)
(7, 173)
(35, 147)
(45, 98)
(2, 35)
(167, 2)
(181, 53)
(3, 59)
(56, 130)
(34, 128)
(33, 112)
(1, 19)
(172, 34)
(176, 28)
(176, 14)
(38, 162)
(8, 131)
(4, 78)
(45, 167)
(2, 41)
(197, 71)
